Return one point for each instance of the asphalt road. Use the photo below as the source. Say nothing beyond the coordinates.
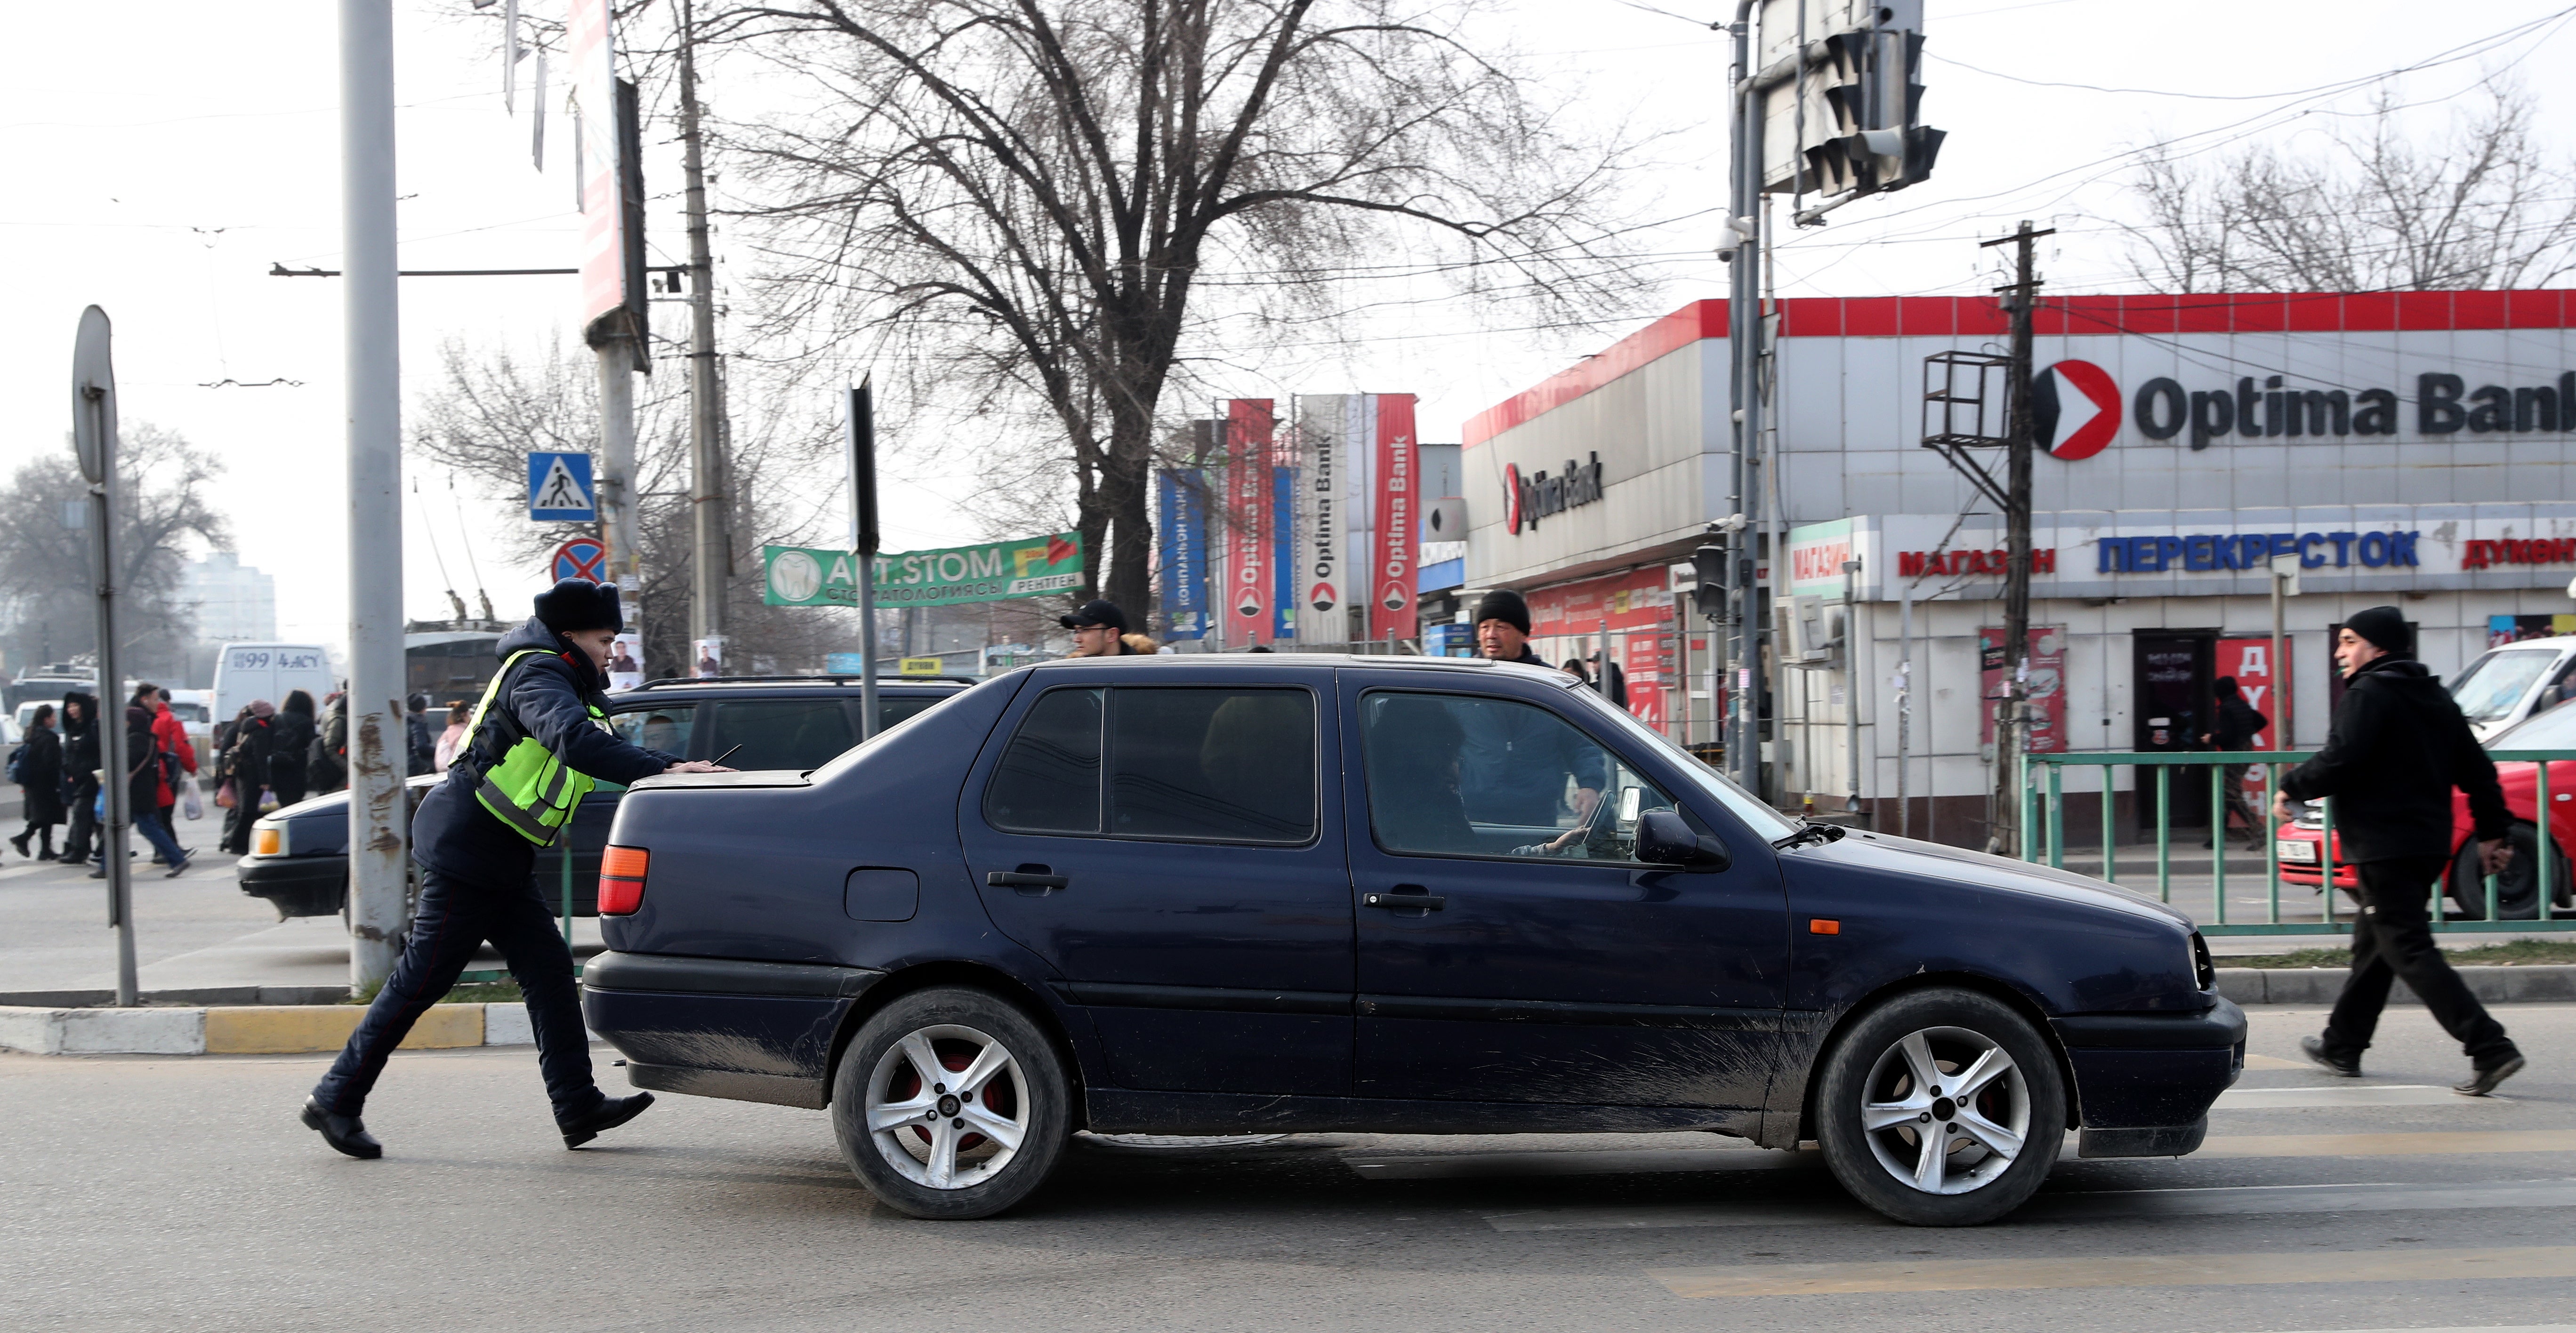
(146, 1193)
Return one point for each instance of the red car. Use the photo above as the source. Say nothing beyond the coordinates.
(2518, 888)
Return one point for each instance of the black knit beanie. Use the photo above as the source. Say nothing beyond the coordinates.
(2384, 627)
(1506, 606)
(579, 604)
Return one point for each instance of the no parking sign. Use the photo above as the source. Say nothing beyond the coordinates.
(581, 558)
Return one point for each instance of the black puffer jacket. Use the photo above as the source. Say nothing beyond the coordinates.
(80, 750)
(548, 696)
(2397, 747)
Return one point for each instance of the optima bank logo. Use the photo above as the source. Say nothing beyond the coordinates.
(2076, 406)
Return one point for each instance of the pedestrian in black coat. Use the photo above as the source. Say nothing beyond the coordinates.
(290, 747)
(80, 775)
(40, 781)
(2397, 747)
(250, 753)
(2238, 724)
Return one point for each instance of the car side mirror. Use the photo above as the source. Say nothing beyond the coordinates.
(1664, 839)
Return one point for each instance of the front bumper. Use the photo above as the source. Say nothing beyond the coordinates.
(2144, 1082)
(298, 885)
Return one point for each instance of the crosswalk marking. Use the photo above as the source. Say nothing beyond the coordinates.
(2139, 1270)
(2275, 1062)
(2218, 1201)
(2364, 1094)
(2428, 1142)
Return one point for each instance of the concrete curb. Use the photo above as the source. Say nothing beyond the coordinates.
(245, 1029)
(2539, 984)
(200, 996)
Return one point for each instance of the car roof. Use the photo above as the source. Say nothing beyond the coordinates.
(757, 686)
(1257, 661)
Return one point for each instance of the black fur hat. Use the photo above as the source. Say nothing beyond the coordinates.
(579, 604)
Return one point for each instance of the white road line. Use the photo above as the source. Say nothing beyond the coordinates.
(2217, 1201)
(2365, 1094)
(2139, 1270)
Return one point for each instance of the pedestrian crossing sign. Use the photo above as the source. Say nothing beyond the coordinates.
(559, 489)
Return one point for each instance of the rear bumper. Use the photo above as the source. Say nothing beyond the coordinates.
(2144, 1082)
(298, 885)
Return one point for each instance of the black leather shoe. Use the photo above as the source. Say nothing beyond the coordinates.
(611, 1113)
(343, 1132)
(2485, 1080)
(2315, 1049)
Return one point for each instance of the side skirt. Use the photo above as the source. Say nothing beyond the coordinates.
(732, 1085)
(1124, 1111)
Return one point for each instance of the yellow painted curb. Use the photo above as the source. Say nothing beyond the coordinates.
(287, 1029)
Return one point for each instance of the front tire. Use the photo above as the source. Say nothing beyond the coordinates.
(1941, 1107)
(951, 1104)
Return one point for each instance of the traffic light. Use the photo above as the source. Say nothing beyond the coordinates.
(1874, 88)
(1708, 564)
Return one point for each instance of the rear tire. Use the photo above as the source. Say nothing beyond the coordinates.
(951, 1104)
(1899, 1143)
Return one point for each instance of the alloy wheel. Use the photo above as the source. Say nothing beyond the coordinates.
(948, 1107)
(1945, 1110)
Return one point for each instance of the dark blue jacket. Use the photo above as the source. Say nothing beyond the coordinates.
(1513, 766)
(548, 695)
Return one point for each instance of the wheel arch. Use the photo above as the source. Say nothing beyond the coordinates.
(951, 972)
(2012, 997)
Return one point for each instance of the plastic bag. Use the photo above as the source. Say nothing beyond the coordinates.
(224, 796)
(191, 805)
(267, 801)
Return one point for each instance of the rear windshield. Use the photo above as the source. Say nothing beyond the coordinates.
(2495, 684)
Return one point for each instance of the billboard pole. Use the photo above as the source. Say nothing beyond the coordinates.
(379, 826)
(94, 440)
(860, 441)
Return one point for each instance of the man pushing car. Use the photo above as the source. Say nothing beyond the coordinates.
(533, 748)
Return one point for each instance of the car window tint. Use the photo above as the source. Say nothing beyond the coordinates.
(780, 733)
(1049, 780)
(663, 727)
(1458, 775)
(891, 711)
(1222, 765)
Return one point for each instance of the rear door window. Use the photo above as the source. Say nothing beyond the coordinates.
(1215, 765)
(780, 733)
(1183, 764)
(663, 727)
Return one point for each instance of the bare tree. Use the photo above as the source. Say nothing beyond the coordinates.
(1035, 206)
(491, 407)
(45, 566)
(2484, 206)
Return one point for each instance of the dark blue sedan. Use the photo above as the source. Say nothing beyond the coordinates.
(1214, 895)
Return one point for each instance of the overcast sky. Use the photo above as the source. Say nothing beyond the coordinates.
(167, 153)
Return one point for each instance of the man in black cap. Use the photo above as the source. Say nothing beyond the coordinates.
(532, 749)
(1099, 630)
(2397, 747)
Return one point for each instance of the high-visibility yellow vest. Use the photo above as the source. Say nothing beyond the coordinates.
(532, 789)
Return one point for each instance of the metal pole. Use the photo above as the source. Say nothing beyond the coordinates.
(2012, 717)
(710, 509)
(379, 827)
(1904, 707)
(1851, 686)
(859, 446)
(94, 431)
(617, 470)
(1743, 747)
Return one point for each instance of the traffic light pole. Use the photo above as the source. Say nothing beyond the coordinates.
(1743, 628)
(2012, 710)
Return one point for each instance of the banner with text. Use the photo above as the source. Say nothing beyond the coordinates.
(992, 572)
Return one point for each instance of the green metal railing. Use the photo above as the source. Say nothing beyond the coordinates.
(2043, 835)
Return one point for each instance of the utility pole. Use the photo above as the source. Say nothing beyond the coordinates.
(2012, 711)
(379, 822)
(95, 444)
(1742, 630)
(710, 509)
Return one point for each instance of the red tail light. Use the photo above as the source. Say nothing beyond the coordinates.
(621, 880)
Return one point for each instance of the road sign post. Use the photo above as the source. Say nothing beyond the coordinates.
(94, 440)
(859, 421)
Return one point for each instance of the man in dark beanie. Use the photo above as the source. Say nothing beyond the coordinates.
(2397, 747)
(532, 749)
(1515, 764)
(1503, 626)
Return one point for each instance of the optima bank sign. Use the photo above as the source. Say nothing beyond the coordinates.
(2077, 408)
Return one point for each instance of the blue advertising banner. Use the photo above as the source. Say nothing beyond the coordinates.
(1283, 548)
(1182, 493)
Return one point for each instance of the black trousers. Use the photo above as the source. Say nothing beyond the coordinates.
(84, 829)
(2392, 937)
(454, 919)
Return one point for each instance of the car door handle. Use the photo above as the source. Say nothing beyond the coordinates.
(1015, 879)
(1429, 902)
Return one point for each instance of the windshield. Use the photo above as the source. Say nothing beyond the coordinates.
(1765, 822)
(2495, 684)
